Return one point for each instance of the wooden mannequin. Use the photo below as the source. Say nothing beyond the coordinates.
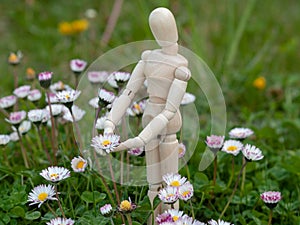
(167, 74)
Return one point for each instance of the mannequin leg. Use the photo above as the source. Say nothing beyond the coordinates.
(168, 151)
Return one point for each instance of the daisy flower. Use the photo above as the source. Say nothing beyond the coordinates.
(240, 133)
(57, 109)
(106, 210)
(77, 65)
(136, 151)
(77, 113)
(97, 76)
(78, 164)
(271, 198)
(106, 143)
(174, 179)
(8, 101)
(214, 142)
(15, 118)
(181, 150)
(252, 153)
(163, 218)
(126, 206)
(94, 102)
(105, 97)
(45, 79)
(30, 74)
(14, 136)
(219, 222)
(188, 98)
(22, 91)
(168, 195)
(61, 221)
(68, 97)
(24, 127)
(137, 108)
(15, 58)
(59, 86)
(121, 77)
(175, 214)
(52, 97)
(186, 191)
(34, 95)
(55, 173)
(100, 123)
(41, 193)
(4, 139)
(232, 147)
(38, 116)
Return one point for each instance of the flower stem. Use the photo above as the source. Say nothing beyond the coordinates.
(243, 177)
(111, 221)
(53, 138)
(24, 154)
(232, 172)
(234, 190)
(80, 144)
(51, 210)
(59, 203)
(270, 217)
(215, 170)
(43, 144)
(128, 217)
(113, 178)
(193, 213)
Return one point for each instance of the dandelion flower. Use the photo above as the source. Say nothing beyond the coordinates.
(8, 101)
(186, 191)
(41, 193)
(232, 147)
(4, 139)
(61, 221)
(78, 164)
(55, 173)
(65, 28)
(260, 83)
(168, 195)
(240, 133)
(106, 143)
(106, 210)
(15, 118)
(97, 76)
(80, 25)
(271, 198)
(252, 153)
(174, 179)
(22, 91)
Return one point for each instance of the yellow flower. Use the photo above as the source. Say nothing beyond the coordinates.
(259, 83)
(80, 25)
(15, 58)
(30, 73)
(65, 28)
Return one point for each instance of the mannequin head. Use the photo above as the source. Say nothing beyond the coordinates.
(163, 26)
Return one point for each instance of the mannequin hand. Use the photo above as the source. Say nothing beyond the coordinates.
(130, 143)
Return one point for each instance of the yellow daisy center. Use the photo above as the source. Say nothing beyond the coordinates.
(42, 196)
(80, 165)
(137, 107)
(106, 142)
(68, 96)
(53, 175)
(232, 148)
(175, 218)
(180, 150)
(185, 193)
(125, 205)
(13, 58)
(175, 183)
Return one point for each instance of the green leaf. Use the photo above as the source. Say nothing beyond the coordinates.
(91, 197)
(17, 211)
(32, 215)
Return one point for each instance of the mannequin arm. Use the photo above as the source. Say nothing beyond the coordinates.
(121, 104)
(156, 126)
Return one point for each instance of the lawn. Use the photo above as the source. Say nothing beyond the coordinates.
(248, 77)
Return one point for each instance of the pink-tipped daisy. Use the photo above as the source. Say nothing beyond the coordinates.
(174, 179)
(45, 79)
(78, 164)
(106, 210)
(186, 191)
(68, 97)
(59, 86)
(24, 127)
(94, 102)
(105, 97)
(188, 98)
(126, 206)
(219, 222)
(4, 139)
(52, 98)
(40, 194)
(34, 95)
(214, 142)
(240, 133)
(168, 195)
(8, 101)
(252, 153)
(175, 214)
(38, 116)
(232, 147)
(137, 151)
(56, 109)
(77, 113)
(105, 143)
(271, 198)
(164, 218)
(77, 65)
(181, 150)
(97, 76)
(15, 118)
(55, 173)
(22, 91)
(61, 221)
(137, 108)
